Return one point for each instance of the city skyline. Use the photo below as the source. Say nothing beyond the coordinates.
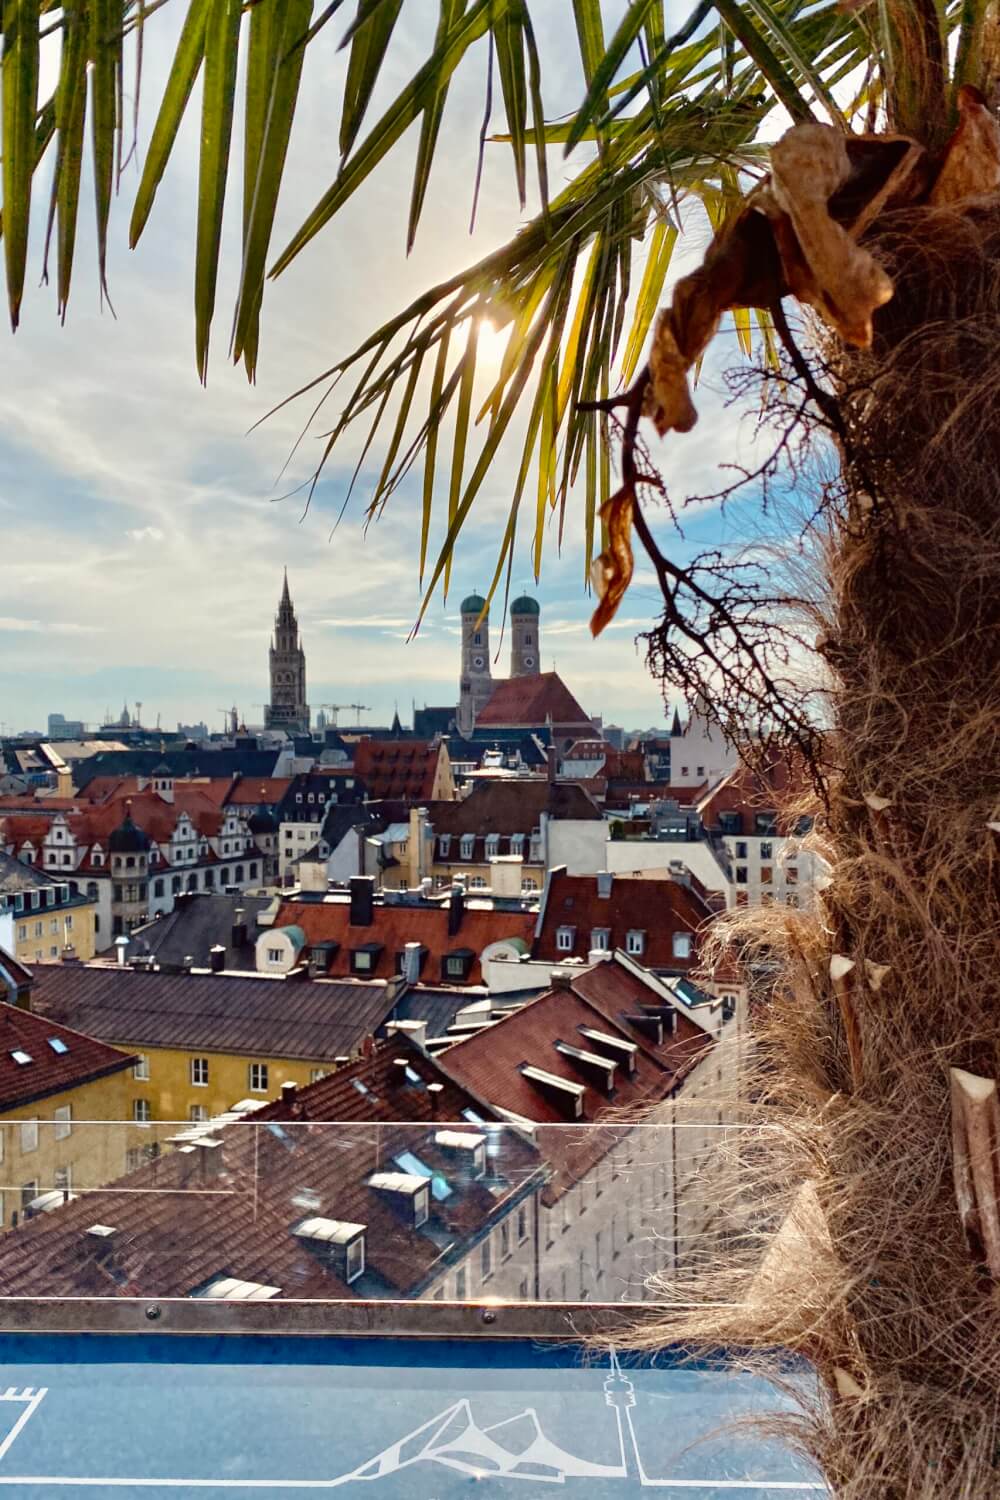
(143, 522)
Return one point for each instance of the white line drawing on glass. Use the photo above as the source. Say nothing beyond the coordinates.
(31, 1400)
(515, 1448)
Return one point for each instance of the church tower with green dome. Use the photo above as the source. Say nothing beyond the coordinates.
(525, 644)
(476, 683)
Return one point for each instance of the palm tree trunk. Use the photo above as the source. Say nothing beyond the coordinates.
(914, 643)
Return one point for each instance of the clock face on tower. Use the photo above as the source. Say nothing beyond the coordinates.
(479, 662)
(529, 661)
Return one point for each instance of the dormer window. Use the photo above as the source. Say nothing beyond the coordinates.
(407, 1190)
(444, 845)
(565, 937)
(345, 1241)
(457, 964)
(468, 845)
(492, 845)
(635, 942)
(681, 944)
(517, 843)
(365, 958)
(600, 940)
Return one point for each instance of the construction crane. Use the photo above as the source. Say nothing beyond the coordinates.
(335, 709)
(360, 708)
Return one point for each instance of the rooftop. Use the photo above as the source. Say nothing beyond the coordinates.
(40, 1057)
(314, 1020)
(530, 701)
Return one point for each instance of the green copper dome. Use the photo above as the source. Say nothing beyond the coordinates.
(473, 605)
(525, 606)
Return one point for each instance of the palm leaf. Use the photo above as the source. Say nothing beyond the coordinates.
(370, 37)
(222, 41)
(17, 139)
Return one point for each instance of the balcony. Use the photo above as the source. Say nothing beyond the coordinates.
(381, 1298)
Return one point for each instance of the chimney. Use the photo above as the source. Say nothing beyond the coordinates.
(456, 909)
(418, 830)
(69, 955)
(434, 1091)
(217, 958)
(605, 880)
(187, 963)
(597, 955)
(238, 936)
(209, 1156)
(121, 943)
(559, 979)
(288, 1092)
(426, 887)
(679, 872)
(413, 957)
(551, 760)
(414, 1031)
(362, 889)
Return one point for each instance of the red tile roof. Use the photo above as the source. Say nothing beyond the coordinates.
(657, 908)
(190, 1217)
(508, 807)
(249, 791)
(397, 768)
(491, 1063)
(530, 702)
(748, 793)
(393, 926)
(51, 1070)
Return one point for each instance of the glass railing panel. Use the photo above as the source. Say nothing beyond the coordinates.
(244, 1211)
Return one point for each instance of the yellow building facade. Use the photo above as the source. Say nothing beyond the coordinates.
(49, 1146)
(174, 1084)
(41, 936)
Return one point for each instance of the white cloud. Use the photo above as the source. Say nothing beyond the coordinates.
(18, 624)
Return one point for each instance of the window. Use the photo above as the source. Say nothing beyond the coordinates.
(635, 942)
(63, 1117)
(765, 824)
(22, 932)
(134, 1158)
(741, 874)
(600, 939)
(29, 1136)
(477, 883)
(274, 955)
(685, 771)
(199, 1072)
(158, 887)
(54, 926)
(486, 1258)
(682, 945)
(198, 1113)
(141, 1111)
(522, 1223)
(140, 1068)
(766, 874)
(421, 1207)
(62, 1179)
(461, 1284)
(258, 1078)
(29, 1192)
(355, 1259)
(468, 844)
(564, 939)
(741, 850)
(598, 1266)
(766, 849)
(504, 1240)
(492, 845)
(444, 845)
(54, 951)
(529, 883)
(791, 875)
(39, 926)
(315, 1074)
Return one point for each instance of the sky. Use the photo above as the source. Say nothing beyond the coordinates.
(143, 527)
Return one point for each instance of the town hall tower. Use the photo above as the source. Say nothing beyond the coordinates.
(288, 708)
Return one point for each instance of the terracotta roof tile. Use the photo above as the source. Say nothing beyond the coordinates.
(75, 1060)
(656, 908)
(532, 701)
(393, 926)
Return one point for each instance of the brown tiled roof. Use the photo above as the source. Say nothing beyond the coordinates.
(659, 908)
(532, 701)
(51, 1070)
(397, 768)
(508, 807)
(393, 926)
(749, 792)
(182, 1220)
(491, 1063)
(387, 1092)
(315, 1019)
(248, 791)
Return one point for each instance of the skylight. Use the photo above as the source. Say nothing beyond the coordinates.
(21, 1057)
(57, 1044)
(411, 1164)
(361, 1087)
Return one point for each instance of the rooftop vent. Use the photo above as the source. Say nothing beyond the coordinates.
(405, 1188)
(590, 1062)
(344, 1242)
(603, 1041)
(566, 1095)
(231, 1289)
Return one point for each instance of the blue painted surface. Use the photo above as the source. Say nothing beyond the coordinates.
(395, 1419)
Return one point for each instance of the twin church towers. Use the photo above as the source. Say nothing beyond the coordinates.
(476, 684)
(288, 708)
